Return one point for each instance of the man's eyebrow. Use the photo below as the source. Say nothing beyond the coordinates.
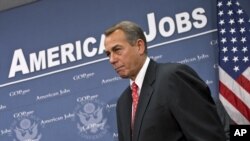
(112, 49)
(115, 47)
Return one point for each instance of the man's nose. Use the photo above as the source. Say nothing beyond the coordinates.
(112, 58)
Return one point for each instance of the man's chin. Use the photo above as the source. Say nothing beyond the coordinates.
(123, 76)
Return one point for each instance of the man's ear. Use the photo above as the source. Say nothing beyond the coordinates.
(141, 46)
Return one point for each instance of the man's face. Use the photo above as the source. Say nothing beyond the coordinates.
(125, 58)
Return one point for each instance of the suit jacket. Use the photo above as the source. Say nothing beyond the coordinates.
(174, 105)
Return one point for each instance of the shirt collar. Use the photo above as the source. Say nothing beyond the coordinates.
(141, 75)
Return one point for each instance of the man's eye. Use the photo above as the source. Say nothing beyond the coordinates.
(108, 54)
(118, 50)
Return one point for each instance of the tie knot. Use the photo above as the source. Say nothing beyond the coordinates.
(134, 87)
(134, 91)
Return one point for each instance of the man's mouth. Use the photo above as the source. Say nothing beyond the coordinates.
(118, 68)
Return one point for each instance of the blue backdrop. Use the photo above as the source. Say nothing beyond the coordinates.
(56, 82)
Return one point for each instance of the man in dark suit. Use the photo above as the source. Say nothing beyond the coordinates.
(174, 103)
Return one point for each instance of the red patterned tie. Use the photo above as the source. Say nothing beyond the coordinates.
(135, 102)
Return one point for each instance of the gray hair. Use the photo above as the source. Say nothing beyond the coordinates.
(132, 31)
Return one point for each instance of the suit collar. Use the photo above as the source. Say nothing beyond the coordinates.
(141, 75)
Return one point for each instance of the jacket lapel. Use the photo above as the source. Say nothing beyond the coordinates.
(145, 96)
(126, 115)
